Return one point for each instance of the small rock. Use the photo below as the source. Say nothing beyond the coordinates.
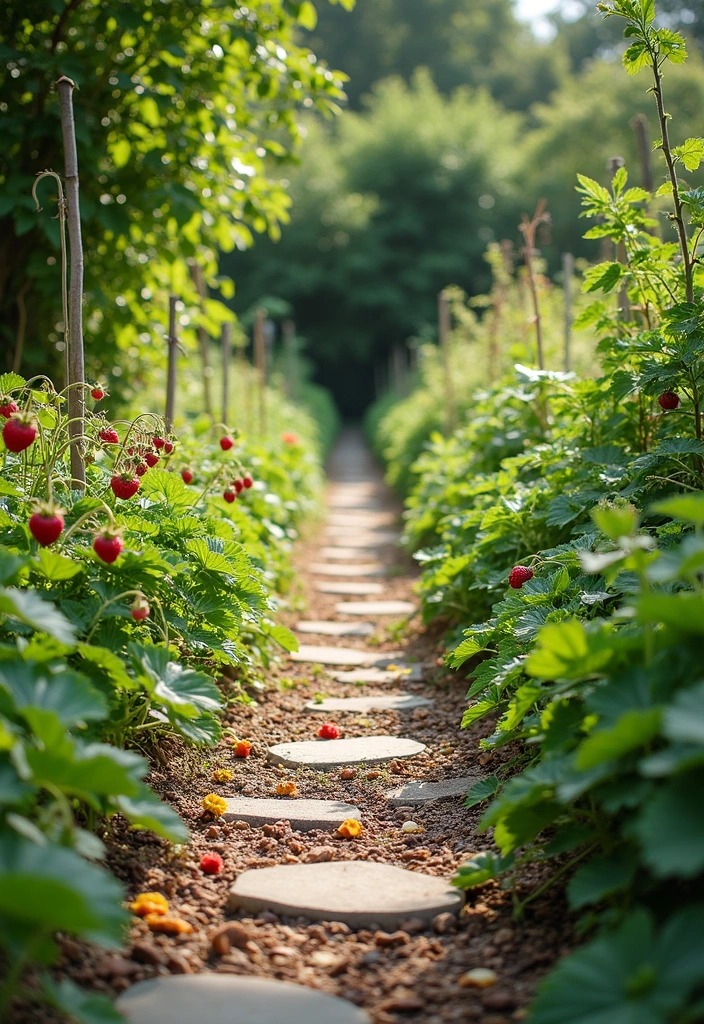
(403, 812)
(348, 773)
(213, 832)
(411, 827)
(323, 958)
(480, 977)
(178, 965)
(376, 774)
(268, 917)
(284, 951)
(70, 948)
(498, 1001)
(319, 854)
(373, 957)
(403, 1004)
(115, 967)
(413, 926)
(502, 936)
(145, 953)
(444, 923)
(228, 935)
(397, 938)
(241, 825)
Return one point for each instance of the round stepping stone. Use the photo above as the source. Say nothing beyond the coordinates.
(345, 569)
(423, 792)
(343, 656)
(359, 893)
(341, 554)
(399, 673)
(224, 999)
(304, 815)
(367, 520)
(324, 628)
(362, 538)
(399, 702)
(327, 754)
(345, 587)
(375, 608)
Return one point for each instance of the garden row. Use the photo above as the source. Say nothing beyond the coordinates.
(560, 533)
(129, 613)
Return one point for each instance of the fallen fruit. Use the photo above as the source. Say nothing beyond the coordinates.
(348, 773)
(519, 575)
(46, 525)
(350, 828)
(668, 400)
(287, 789)
(168, 925)
(107, 546)
(214, 804)
(109, 435)
(7, 408)
(187, 476)
(329, 731)
(19, 432)
(229, 495)
(151, 458)
(124, 486)
(140, 609)
(211, 863)
(226, 443)
(149, 903)
(243, 748)
(480, 977)
(289, 438)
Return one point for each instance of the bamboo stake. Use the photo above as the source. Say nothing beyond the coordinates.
(226, 342)
(172, 341)
(73, 335)
(443, 332)
(567, 275)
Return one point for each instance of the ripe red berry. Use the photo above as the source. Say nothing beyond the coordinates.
(668, 400)
(211, 863)
(187, 476)
(329, 731)
(238, 484)
(226, 443)
(7, 408)
(107, 546)
(109, 435)
(247, 481)
(97, 394)
(519, 575)
(159, 442)
(141, 469)
(151, 459)
(229, 495)
(46, 526)
(140, 609)
(124, 486)
(168, 447)
(18, 433)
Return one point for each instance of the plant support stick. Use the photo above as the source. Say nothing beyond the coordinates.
(172, 341)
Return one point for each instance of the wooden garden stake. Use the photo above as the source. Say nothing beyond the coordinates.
(443, 332)
(529, 228)
(172, 342)
(291, 356)
(203, 339)
(567, 275)
(226, 342)
(73, 335)
(640, 127)
(260, 365)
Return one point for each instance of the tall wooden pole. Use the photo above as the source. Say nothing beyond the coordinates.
(203, 339)
(567, 275)
(260, 364)
(443, 333)
(226, 344)
(74, 329)
(172, 342)
(640, 127)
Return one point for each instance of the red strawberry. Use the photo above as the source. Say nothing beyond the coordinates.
(124, 486)
(46, 525)
(159, 442)
(187, 476)
(211, 863)
(238, 484)
(229, 495)
(168, 447)
(97, 394)
(141, 469)
(329, 731)
(247, 481)
(140, 609)
(107, 546)
(668, 400)
(226, 443)
(151, 459)
(109, 435)
(519, 575)
(19, 432)
(7, 408)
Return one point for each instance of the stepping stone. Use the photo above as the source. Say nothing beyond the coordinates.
(362, 538)
(368, 520)
(343, 656)
(361, 569)
(360, 705)
(375, 608)
(304, 815)
(225, 999)
(327, 754)
(423, 792)
(349, 587)
(336, 628)
(380, 675)
(341, 554)
(359, 893)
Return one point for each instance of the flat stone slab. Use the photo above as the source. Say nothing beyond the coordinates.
(325, 628)
(326, 754)
(360, 705)
(304, 815)
(375, 608)
(343, 656)
(362, 538)
(423, 792)
(225, 999)
(366, 520)
(349, 587)
(345, 569)
(413, 673)
(359, 893)
(335, 554)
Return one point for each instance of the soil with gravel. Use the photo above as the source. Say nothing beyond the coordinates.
(413, 974)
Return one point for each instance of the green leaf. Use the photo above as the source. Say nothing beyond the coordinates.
(307, 16)
(682, 612)
(566, 650)
(690, 153)
(481, 868)
(111, 665)
(615, 522)
(671, 828)
(634, 729)
(687, 507)
(283, 636)
(481, 790)
(601, 877)
(84, 1007)
(148, 811)
(88, 772)
(53, 566)
(28, 607)
(120, 152)
(52, 688)
(683, 721)
(186, 692)
(636, 57)
(603, 277)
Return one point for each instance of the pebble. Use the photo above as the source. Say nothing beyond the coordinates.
(320, 854)
(397, 938)
(498, 1001)
(444, 923)
(178, 965)
(480, 977)
(228, 935)
(145, 953)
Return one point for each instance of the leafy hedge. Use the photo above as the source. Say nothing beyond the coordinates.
(561, 529)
